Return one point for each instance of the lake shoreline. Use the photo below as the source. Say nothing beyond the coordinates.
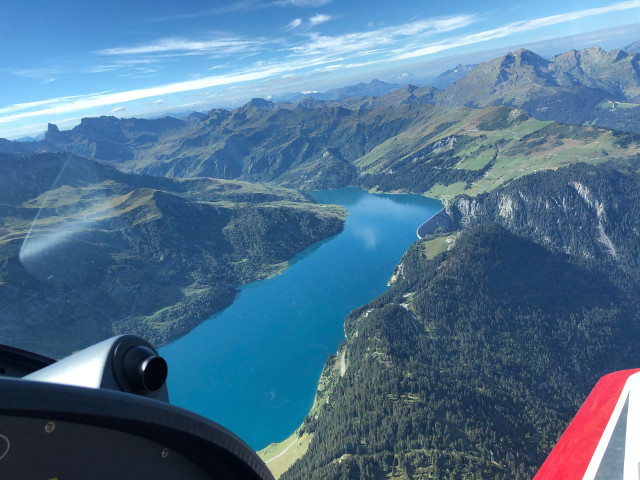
(245, 381)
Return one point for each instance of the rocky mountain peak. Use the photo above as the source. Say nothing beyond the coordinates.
(52, 132)
(451, 76)
(633, 48)
(523, 57)
(260, 103)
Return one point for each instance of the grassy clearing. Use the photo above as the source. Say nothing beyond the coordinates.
(433, 247)
(610, 105)
(280, 456)
(513, 133)
(511, 168)
(414, 139)
(446, 192)
(515, 146)
(511, 165)
(475, 163)
(191, 291)
(374, 161)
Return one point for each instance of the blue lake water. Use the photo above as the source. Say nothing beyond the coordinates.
(254, 367)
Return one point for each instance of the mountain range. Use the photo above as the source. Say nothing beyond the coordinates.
(314, 144)
(492, 332)
(414, 147)
(573, 87)
(87, 251)
(373, 88)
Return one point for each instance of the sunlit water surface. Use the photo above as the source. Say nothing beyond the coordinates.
(254, 367)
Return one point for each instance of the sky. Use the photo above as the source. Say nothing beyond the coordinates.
(61, 61)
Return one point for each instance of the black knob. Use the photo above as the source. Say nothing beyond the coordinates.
(144, 370)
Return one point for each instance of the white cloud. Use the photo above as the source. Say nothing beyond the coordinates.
(37, 73)
(118, 109)
(86, 102)
(43, 103)
(516, 27)
(243, 6)
(304, 3)
(331, 68)
(157, 102)
(295, 23)
(224, 45)
(319, 18)
(370, 40)
(341, 66)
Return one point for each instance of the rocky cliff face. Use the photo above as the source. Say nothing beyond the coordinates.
(580, 210)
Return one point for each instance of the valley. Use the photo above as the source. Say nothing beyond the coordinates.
(544, 272)
(494, 326)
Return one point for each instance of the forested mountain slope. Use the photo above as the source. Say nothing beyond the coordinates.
(410, 147)
(87, 251)
(474, 361)
(484, 352)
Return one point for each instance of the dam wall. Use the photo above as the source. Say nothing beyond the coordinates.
(440, 219)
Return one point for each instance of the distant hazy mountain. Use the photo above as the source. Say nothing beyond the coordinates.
(450, 77)
(372, 89)
(400, 96)
(591, 86)
(195, 116)
(633, 48)
(186, 115)
(31, 139)
(87, 251)
(261, 104)
(574, 87)
(108, 139)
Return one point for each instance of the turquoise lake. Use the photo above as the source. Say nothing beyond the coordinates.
(254, 367)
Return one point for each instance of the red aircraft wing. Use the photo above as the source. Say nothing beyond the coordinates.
(602, 442)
